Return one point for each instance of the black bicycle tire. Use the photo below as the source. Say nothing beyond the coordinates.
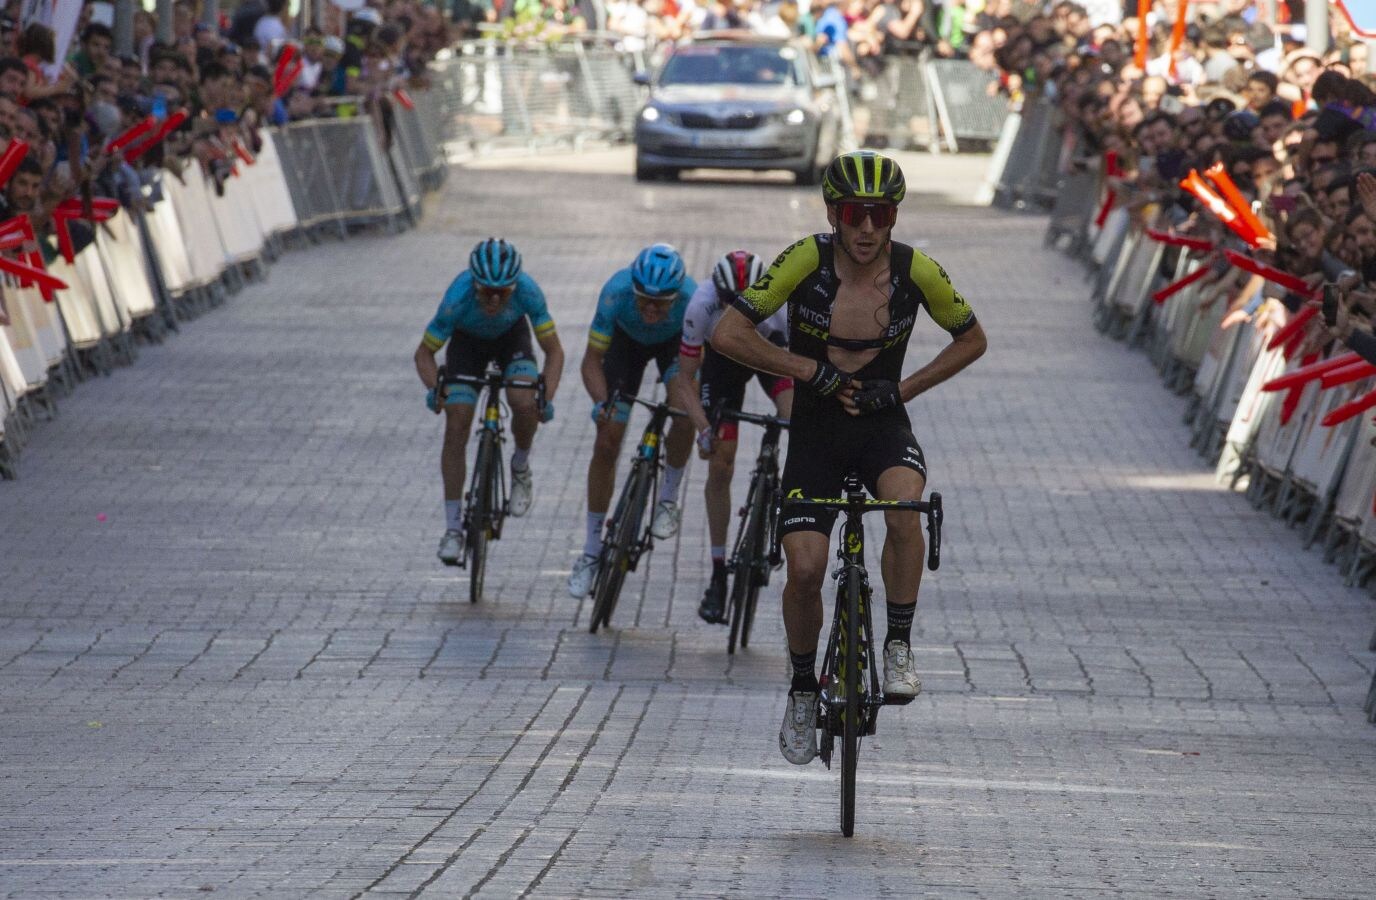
(616, 557)
(759, 538)
(600, 576)
(742, 575)
(477, 522)
(850, 729)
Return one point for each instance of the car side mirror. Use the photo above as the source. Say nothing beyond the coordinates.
(641, 78)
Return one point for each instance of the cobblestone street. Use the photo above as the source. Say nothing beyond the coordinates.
(230, 661)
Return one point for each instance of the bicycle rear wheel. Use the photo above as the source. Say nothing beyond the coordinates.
(616, 555)
(746, 586)
(850, 730)
(480, 516)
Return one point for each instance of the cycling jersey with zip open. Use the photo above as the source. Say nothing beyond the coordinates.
(804, 277)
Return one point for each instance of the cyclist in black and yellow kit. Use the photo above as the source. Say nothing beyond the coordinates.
(853, 297)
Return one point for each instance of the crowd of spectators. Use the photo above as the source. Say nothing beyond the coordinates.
(1295, 130)
(67, 110)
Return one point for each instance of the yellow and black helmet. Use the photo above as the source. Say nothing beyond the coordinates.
(863, 175)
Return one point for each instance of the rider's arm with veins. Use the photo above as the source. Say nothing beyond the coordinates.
(736, 335)
(697, 321)
(949, 310)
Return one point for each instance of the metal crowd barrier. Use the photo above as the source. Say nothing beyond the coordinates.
(1025, 169)
(1319, 479)
(917, 100)
(493, 94)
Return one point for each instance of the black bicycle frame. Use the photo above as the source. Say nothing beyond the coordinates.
(649, 452)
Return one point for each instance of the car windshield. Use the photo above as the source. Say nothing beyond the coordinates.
(732, 65)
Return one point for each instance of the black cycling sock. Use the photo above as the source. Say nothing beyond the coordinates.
(900, 623)
(804, 672)
(718, 568)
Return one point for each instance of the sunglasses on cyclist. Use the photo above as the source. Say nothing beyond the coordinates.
(664, 299)
(854, 213)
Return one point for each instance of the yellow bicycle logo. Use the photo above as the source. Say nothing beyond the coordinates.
(853, 543)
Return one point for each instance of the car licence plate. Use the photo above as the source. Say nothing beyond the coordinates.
(721, 140)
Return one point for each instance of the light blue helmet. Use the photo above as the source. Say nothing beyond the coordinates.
(658, 270)
(495, 263)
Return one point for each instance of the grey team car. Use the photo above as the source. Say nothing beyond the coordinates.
(738, 103)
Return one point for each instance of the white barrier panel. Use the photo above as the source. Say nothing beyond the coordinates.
(271, 195)
(1320, 456)
(1131, 293)
(46, 325)
(1355, 496)
(165, 231)
(196, 219)
(12, 378)
(1254, 408)
(243, 242)
(23, 341)
(121, 251)
(92, 275)
(78, 308)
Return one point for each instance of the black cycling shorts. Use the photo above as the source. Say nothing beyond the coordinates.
(824, 446)
(624, 363)
(721, 385)
(469, 355)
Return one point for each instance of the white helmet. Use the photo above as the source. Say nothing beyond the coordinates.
(736, 271)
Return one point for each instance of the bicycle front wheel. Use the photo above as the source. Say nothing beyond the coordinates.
(745, 581)
(480, 515)
(616, 555)
(851, 682)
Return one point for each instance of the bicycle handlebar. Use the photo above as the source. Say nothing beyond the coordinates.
(753, 419)
(495, 379)
(620, 396)
(860, 505)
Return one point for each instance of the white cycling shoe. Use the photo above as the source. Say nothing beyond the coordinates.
(798, 734)
(665, 523)
(451, 547)
(580, 579)
(522, 492)
(900, 675)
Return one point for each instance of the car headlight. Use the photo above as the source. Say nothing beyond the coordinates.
(796, 117)
(650, 114)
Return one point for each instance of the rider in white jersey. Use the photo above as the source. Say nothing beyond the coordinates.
(721, 385)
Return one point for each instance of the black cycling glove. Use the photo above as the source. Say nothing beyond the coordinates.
(827, 380)
(877, 394)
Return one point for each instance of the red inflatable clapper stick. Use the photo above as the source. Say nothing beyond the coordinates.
(167, 127)
(1348, 410)
(1111, 168)
(242, 152)
(1347, 375)
(1180, 240)
(9, 160)
(1162, 295)
(120, 141)
(1270, 273)
(404, 98)
(280, 82)
(1218, 206)
(1294, 328)
(1308, 373)
(30, 274)
(1219, 176)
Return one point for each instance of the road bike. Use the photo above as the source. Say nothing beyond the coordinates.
(627, 535)
(485, 504)
(850, 693)
(753, 556)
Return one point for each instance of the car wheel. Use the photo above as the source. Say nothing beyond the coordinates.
(644, 172)
(808, 175)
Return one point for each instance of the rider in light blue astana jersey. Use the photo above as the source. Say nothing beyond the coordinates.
(459, 311)
(616, 308)
(486, 317)
(639, 318)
